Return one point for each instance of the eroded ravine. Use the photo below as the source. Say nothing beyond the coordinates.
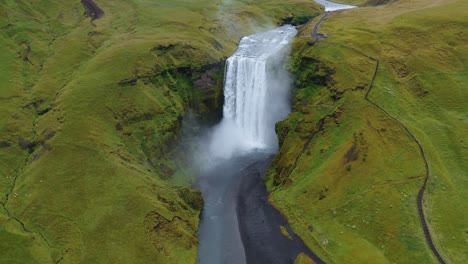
(238, 224)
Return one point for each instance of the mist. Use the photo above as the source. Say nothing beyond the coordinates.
(257, 96)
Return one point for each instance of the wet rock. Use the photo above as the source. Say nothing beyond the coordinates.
(192, 197)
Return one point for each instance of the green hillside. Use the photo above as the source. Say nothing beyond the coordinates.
(92, 98)
(382, 96)
(93, 95)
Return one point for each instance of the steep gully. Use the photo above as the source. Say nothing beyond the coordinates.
(419, 199)
(238, 224)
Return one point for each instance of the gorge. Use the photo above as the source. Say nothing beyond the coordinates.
(109, 152)
(238, 225)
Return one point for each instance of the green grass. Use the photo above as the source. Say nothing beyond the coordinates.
(97, 108)
(90, 121)
(365, 207)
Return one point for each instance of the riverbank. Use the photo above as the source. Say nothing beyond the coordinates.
(357, 177)
(238, 225)
(266, 234)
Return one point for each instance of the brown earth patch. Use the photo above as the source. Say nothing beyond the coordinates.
(352, 154)
(159, 230)
(92, 10)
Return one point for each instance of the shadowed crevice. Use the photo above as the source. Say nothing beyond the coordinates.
(92, 10)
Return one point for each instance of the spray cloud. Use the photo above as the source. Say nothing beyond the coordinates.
(256, 91)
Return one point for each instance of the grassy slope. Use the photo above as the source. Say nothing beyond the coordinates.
(88, 114)
(358, 171)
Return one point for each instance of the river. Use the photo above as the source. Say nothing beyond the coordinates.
(330, 6)
(238, 225)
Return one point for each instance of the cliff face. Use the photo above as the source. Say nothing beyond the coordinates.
(93, 93)
(374, 142)
(92, 98)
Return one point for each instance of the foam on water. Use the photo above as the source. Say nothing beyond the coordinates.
(256, 94)
(330, 6)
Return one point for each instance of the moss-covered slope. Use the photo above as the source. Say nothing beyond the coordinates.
(92, 95)
(381, 97)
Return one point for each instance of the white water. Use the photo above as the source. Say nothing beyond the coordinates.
(330, 6)
(256, 94)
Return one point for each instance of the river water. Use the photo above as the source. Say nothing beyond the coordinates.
(330, 6)
(219, 235)
(238, 225)
(237, 152)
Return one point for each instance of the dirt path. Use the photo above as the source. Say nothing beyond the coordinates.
(420, 196)
(315, 33)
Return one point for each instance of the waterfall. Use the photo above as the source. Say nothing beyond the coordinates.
(256, 94)
(246, 96)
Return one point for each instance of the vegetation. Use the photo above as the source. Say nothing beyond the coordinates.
(383, 82)
(299, 20)
(92, 97)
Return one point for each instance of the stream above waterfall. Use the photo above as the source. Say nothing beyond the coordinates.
(331, 6)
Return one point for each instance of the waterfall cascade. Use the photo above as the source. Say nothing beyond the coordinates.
(256, 94)
(256, 91)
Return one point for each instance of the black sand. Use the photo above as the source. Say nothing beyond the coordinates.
(259, 223)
